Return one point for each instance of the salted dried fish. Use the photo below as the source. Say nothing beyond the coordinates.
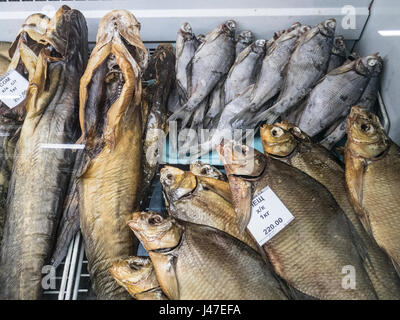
(35, 197)
(307, 65)
(289, 144)
(373, 179)
(205, 72)
(198, 262)
(137, 276)
(333, 97)
(110, 117)
(312, 250)
(244, 71)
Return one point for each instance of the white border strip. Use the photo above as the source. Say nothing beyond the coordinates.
(205, 13)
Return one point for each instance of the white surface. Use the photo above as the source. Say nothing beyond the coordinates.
(13, 88)
(161, 19)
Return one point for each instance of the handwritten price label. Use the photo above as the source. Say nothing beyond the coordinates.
(13, 88)
(268, 216)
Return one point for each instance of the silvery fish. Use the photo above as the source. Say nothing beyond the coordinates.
(271, 76)
(334, 95)
(243, 40)
(244, 71)
(307, 65)
(185, 48)
(338, 55)
(210, 63)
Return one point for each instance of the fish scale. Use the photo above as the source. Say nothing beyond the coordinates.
(320, 164)
(310, 252)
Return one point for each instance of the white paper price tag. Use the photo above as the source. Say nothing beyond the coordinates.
(13, 88)
(268, 216)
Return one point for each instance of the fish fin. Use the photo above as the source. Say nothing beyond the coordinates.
(342, 69)
(241, 197)
(218, 186)
(396, 266)
(164, 266)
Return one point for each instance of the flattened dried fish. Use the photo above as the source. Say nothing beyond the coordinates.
(137, 276)
(198, 262)
(311, 252)
(110, 116)
(338, 55)
(155, 97)
(307, 65)
(373, 179)
(244, 71)
(202, 200)
(205, 72)
(289, 144)
(35, 197)
(332, 98)
(243, 40)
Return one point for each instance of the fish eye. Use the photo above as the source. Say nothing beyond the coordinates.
(204, 171)
(133, 266)
(154, 220)
(372, 62)
(331, 24)
(276, 132)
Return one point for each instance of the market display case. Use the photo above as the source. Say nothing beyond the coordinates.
(367, 27)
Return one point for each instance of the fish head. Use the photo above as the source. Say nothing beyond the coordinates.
(177, 183)
(229, 28)
(57, 31)
(186, 31)
(245, 37)
(370, 65)
(366, 136)
(201, 38)
(339, 47)
(294, 26)
(122, 27)
(277, 141)
(258, 47)
(295, 131)
(136, 274)
(328, 27)
(205, 169)
(156, 232)
(239, 159)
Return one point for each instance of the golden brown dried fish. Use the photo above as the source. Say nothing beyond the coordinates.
(137, 276)
(289, 144)
(41, 173)
(199, 262)
(373, 180)
(110, 116)
(311, 252)
(11, 119)
(201, 200)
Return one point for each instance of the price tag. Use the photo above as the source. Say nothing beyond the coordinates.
(268, 216)
(13, 88)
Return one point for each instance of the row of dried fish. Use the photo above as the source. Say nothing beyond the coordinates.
(300, 75)
(49, 193)
(201, 250)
